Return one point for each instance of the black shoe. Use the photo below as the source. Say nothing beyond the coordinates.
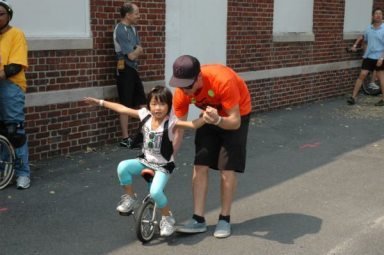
(132, 142)
(126, 142)
(351, 101)
(380, 103)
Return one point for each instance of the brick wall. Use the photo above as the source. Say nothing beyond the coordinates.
(250, 47)
(63, 128)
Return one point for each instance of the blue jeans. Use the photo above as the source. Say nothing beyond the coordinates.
(12, 99)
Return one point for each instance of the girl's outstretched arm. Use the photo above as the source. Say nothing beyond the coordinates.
(113, 106)
(194, 124)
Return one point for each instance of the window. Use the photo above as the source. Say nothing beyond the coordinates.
(293, 20)
(53, 24)
(357, 17)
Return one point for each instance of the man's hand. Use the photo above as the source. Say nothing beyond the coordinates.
(379, 62)
(211, 116)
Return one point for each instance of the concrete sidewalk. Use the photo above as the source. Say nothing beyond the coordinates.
(313, 185)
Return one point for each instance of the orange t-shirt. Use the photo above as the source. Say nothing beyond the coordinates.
(223, 89)
(14, 50)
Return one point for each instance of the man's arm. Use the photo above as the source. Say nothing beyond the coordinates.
(231, 122)
(138, 51)
(10, 70)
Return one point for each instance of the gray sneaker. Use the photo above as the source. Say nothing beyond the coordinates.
(23, 182)
(127, 204)
(167, 224)
(192, 226)
(223, 229)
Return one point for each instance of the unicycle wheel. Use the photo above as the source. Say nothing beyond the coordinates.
(146, 222)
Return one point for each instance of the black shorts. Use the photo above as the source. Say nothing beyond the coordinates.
(222, 149)
(130, 88)
(370, 64)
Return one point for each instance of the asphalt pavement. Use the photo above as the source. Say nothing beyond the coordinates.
(313, 185)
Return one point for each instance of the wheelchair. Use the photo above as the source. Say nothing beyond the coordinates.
(9, 140)
(7, 162)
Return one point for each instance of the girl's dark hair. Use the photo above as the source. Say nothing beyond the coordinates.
(161, 94)
(126, 8)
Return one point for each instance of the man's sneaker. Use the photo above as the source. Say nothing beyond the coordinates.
(127, 204)
(192, 226)
(167, 224)
(223, 229)
(126, 142)
(132, 142)
(380, 103)
(23, 182)
(351, 101)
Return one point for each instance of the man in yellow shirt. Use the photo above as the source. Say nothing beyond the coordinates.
(13, 85)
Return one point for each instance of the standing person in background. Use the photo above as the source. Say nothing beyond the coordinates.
(129, 85)
(373, 56)
(13, 86)
(220, 144)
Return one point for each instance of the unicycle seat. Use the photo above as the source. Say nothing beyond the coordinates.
(148, 174)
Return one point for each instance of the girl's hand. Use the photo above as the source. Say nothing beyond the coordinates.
(91, 101)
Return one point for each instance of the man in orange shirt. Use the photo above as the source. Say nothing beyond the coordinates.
(221, 144)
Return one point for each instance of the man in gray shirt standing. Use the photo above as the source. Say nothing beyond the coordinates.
(129, 85)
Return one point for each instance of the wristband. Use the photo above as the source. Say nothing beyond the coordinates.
(101, 102)
(218, 121)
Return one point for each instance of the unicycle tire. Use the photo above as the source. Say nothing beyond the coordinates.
(146, 224)
(7, 162)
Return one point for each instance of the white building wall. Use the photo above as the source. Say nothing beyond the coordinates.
(357, 16)
(197, 28)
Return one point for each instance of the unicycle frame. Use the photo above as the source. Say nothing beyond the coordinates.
(146, 216)
(147, 224)
(7, 162)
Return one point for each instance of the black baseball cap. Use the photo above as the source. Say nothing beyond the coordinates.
(186, 68)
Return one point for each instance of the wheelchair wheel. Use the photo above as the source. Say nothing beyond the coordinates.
(371, 88)
(7, 162)
(146, 222)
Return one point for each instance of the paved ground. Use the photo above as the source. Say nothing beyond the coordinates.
(313, 185)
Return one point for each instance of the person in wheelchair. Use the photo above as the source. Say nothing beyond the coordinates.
(157, 125)
(13, 86)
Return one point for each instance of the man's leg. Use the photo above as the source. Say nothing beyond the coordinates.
(363, 74)
(200, 188)
(12, 100)
(228, 188)
(380, 75)
(124, 125)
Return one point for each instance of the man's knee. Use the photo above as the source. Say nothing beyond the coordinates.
(10, 131)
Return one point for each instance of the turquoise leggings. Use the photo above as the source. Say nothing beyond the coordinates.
(128, 168)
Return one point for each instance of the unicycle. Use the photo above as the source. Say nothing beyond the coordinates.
(146, 218)
(7, 162)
